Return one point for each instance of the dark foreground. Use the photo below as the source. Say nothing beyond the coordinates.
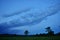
(30, 38)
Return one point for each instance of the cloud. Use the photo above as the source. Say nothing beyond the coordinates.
(16, 13)
(29, 17)
(18, 32)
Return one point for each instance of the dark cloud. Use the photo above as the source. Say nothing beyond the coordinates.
(17, 13)
(14, 23)
(17, 22)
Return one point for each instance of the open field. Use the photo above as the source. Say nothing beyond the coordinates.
(30, 38)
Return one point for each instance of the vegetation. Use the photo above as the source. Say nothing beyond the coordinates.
(30, 38)
(49, 36)
(49, 30)
(26, 32)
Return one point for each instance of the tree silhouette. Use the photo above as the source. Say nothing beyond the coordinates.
(26, 32)
(49, 30)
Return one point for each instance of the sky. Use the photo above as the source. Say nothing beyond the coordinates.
(16, 16)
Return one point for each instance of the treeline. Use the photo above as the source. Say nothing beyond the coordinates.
(48, 30)
(57, 34)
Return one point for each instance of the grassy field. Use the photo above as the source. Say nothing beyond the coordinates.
(30, 38)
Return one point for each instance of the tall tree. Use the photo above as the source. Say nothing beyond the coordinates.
(26, 32)
(49, 30)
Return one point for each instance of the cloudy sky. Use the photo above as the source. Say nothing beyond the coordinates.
(16, 16)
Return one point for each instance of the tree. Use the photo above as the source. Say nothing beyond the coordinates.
(49, 30)
(26, 32)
